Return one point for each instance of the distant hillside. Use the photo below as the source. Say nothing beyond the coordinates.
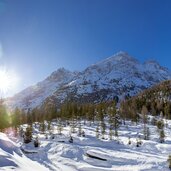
(157, 101)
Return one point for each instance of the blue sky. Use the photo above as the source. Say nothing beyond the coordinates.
(39, 36)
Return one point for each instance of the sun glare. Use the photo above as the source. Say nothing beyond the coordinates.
(4, 81)
(7, 81)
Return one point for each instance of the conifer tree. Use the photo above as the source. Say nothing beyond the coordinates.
(97, 132)
(4, 117)
(36, 142)
(167, 111)
(153, 109)
(16, 117)
(90, 113)
(146, 133)
(79, 130)
(29, 117)
(113, 120)
(42, 127)
(59, 128)
(28, 135)
(103, 129)
(144, 112)
(123, 111)
(160, 128)
(133, 111)
(129, 141)
(162, 136)
(21, 132)
(49, 126)
(110, 133)
(169, 161)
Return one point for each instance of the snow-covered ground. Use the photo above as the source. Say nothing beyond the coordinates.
(60, 155)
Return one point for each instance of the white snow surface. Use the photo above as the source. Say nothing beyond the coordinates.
(55, 155)
(11, 157)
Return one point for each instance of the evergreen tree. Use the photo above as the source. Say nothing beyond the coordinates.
(97, 132)
(144, 112)
(36, 142)
(169, 161)
(21, 132)
(59, 128)
(153, 109)
(35, 115)
(110, 133)
(160, 128)
(4, 117)
(49, 126)
(42, 127)
(154, 121)
(29, 117)
(103, 129)
(71, 139)
(162, 136)
(79, 130)
(124, 111)
(129, 141)
(139, 142)
(28, 135)
(167, 111)
(146, 133)
(113, 120)
(90, 113)
(134, 112)
(116, 124)
(16, 117)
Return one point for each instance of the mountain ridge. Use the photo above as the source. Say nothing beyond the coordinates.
(117, 75)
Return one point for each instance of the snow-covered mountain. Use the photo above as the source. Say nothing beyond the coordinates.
(117, 75)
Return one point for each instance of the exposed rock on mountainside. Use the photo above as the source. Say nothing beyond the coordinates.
(117, 75)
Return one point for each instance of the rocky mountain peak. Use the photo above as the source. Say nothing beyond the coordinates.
(153, 64)
(59, 74)
(122, 57)
(117, 75)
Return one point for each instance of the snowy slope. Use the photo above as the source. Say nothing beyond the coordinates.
(118, 75)
(35, 95)
(11, 157)
(64, 156)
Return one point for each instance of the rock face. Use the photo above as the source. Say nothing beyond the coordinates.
(117, 75)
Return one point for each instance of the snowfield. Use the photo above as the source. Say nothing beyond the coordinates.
(110, 155)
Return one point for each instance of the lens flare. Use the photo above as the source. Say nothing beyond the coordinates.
(4, 81)
(8, 81)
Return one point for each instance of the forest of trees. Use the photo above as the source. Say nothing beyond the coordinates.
(155, 101)
(68, 113)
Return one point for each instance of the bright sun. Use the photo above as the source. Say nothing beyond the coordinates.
(4, 81)
(8, 81)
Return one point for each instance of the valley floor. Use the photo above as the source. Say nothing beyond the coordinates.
(60, 155)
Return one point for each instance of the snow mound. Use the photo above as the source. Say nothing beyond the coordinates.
(11, 157)
(67, 151)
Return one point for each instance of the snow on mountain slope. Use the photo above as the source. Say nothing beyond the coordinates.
(117, 75)
(34, 95)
